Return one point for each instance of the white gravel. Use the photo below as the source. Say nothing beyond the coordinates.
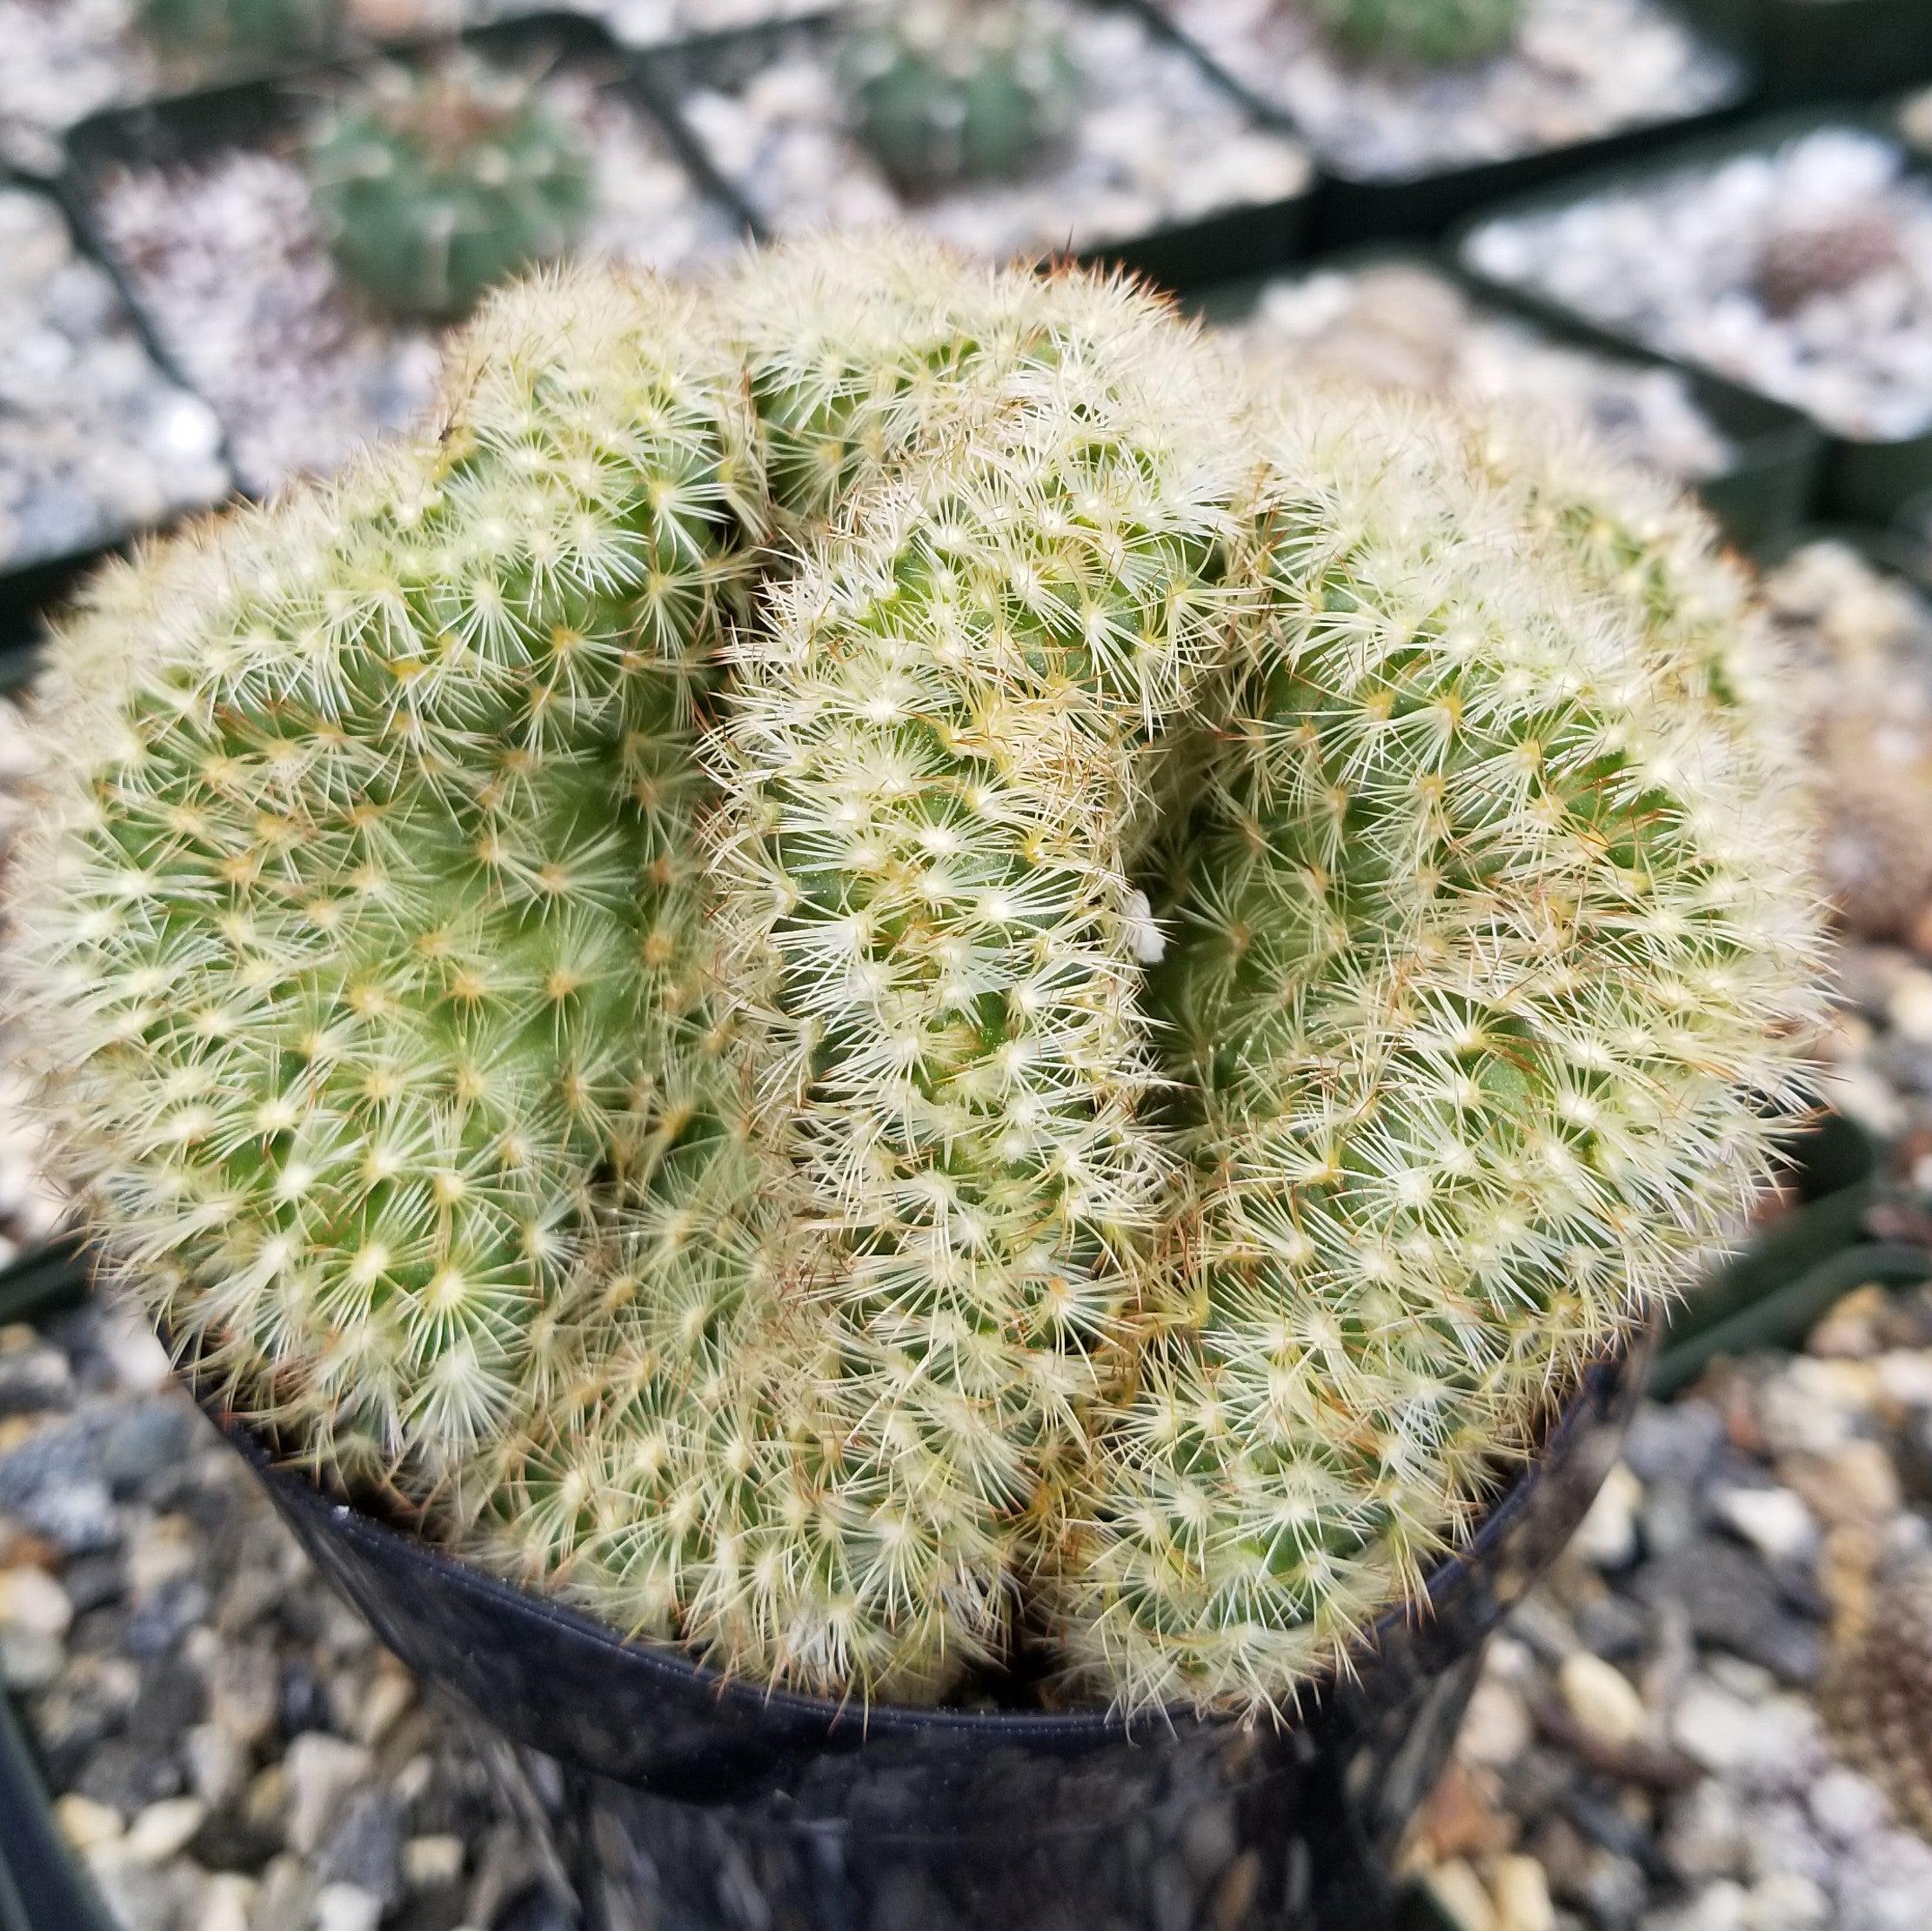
(225, 256)
(61, 60)
(1158, 144)
(1399, 325)
(94, 439)
(1581, 69)
(654, 22)
(1672, 261)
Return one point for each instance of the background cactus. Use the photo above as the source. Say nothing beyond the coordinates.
(1878, 1691)
(1435, 33)
(946, 90)
(1805, 260)
(433, 184)
(251, 30)
(360, 909)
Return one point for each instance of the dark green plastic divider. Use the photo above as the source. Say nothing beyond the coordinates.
(1758, 500)
(1353, 209)
(1186, 255)
(1860, 481)
(1829, 50)
(1755, 1299)
(1784, 1316)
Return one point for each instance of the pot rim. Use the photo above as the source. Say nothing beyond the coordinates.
(297, 1490)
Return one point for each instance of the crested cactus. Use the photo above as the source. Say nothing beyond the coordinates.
(1480, 942)
(239, 30)
(359, 920)
(949, 90)
(936, 738)
(1432, 33)
(433, 185)
(1076, 1045)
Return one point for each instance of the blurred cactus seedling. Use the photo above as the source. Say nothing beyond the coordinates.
(1820, 257)
(1432, 33)
(432, 185)
(948, 90)
(248, 29)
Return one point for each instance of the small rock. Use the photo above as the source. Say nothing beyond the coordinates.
(345, 1907)
(323, 1770)
(1606, 1538)
(1775, 1521)
(1458, 1894)
(1603, 1702)
(363, 1846)
(1735, 1602)
(245, 1692)
(383, 1704)
(1675, 1443)
(218, 1765)
(1847, 1806)
(29, 1660)
(431, 1862)
(165, 1829)
(1521, 1894)
(84, 1823)
(227, 1901)
(1497, 1729)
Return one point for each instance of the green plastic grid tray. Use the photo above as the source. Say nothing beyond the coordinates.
(1187, 254)
(1859, 481)
(1758, 500)
(1351, 210)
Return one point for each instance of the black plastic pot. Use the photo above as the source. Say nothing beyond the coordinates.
(1350, 209)
(1859, 481)
(1758, 500)
(184, 129)
(686, 1802)
(1207, 248)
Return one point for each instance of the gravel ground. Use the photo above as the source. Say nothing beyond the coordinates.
(1581, 69)
(225, 258)
(654, 22)
(232, 1749)
(1652, 1749)
(1400, 325)
(1158, 144)
(1673, 1733)
(61, 60)
(1803, 271)
(94, 439)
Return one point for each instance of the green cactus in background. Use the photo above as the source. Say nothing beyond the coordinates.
(432, 185)
(1433, 33)
(360, 912)
(1485, 929)
(605, 962)
(943, 91)
(259, 30)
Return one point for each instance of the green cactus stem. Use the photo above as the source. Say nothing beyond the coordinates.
(432, 185)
